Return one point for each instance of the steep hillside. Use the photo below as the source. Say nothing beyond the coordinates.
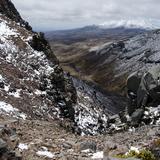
(47, 114)
(34, 85)
(27, 75)
(108, 63)
(8, 9)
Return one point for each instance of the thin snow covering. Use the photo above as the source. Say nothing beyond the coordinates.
(15, 50)
(22, 146)
(97, 155)
(9, 110)
(133, 23)
(15, 94)
(24, 60)
(5, 107)
(99, 47)
(5, 31)
(139, 53)
(38, 92)
(92, 110)
(45, 152)
(23, 116)
(1, 78)
(88, 115)
(135, 149)
(153, 113)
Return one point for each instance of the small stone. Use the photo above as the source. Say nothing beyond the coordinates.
(88, 145)
(3, 144)
(1, 84)
(18, 154)
(67, 145)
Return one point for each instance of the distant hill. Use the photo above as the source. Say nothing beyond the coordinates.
(92, 32)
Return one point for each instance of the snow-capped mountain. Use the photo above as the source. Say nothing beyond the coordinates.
(133, 23)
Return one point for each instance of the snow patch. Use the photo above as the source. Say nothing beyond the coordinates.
(1, 78)
(38, 92)
(135, 149)
(15, 94)
(6, 88)
(45, 153)
(23, 116)
(22, 146)
(7, 107)
(5, 31)
(97, 155)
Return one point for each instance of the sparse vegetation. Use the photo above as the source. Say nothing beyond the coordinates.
(143, 154)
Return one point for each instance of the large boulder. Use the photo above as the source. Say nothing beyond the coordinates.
(143, 89)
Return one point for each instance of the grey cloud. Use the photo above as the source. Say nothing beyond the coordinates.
(60, 14)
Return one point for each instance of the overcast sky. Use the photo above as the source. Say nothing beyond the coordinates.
(64, 14)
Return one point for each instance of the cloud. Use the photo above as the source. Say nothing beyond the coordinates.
(61, 14)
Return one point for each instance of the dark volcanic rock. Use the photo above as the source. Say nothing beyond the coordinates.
(88, 145)
(39, 43)
(26, 56)
(8, 144)
(7, 8)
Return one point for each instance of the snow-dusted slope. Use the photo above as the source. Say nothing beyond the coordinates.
(30, 82)
(33, 85)
(94, 108)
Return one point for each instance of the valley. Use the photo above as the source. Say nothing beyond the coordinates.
(74, 96)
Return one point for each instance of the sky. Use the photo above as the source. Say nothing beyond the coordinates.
(45, 15)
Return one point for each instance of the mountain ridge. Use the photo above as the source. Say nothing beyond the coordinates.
(92, 32)
(8, 9)
(132, 23)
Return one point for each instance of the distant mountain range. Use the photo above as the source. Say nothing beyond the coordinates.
(94, 32)
(132, 24)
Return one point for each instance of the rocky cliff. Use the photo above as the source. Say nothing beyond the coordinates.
(8, 9)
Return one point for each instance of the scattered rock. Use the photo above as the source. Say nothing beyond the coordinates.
(88, 145)
(67, 145)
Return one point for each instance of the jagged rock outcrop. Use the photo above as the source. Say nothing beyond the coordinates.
(94, 108)
(30, 75)
(7, 8)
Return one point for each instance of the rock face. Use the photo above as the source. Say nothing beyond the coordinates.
(109, 63)
(7, 8)
(94, 108)
(34, 86)
(123, 58)
(30, 75)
